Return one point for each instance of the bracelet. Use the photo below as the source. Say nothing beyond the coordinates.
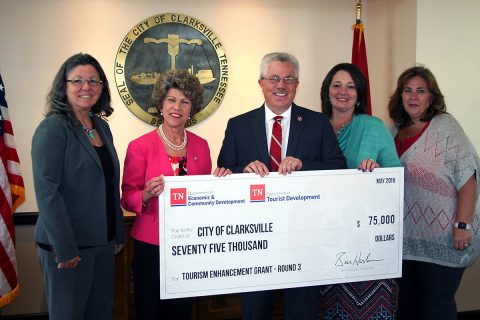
(462, 225)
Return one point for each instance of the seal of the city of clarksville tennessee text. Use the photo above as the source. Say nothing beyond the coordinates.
(164, 42)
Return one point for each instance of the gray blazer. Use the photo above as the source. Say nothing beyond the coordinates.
(70, 188)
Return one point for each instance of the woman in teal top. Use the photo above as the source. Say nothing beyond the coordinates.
(366, 144)
(366, 137)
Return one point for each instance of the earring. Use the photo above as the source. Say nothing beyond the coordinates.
(357, 104)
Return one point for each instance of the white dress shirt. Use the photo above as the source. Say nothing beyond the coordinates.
(269, 120)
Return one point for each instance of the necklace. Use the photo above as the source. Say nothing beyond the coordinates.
(89, 132)
(169, 143)
(342, 128)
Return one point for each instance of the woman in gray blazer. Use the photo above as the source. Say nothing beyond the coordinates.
(76, 178)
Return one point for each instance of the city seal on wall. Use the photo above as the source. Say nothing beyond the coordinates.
(170, 41)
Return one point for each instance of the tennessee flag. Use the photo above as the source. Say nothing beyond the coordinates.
(12, 194)
(359, 57)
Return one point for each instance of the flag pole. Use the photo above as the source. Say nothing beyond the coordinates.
(358, 8)
(359, 52)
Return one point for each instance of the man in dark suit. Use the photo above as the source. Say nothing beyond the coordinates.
(307, 142)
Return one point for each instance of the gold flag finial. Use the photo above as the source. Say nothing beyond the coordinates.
(359, 11)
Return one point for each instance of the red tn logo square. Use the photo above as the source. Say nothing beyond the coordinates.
(178, 196)
(257, 192)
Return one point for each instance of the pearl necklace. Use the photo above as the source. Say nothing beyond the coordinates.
(169, 143)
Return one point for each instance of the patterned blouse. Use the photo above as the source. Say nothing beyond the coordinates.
(437, 165)
(179, 165)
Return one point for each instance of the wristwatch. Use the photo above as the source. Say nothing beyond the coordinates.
(462, 225)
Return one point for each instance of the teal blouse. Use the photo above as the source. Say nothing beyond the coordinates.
(367, 137)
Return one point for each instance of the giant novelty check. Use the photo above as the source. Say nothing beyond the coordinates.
(246, 233)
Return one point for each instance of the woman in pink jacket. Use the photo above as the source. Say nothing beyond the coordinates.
(166, 151)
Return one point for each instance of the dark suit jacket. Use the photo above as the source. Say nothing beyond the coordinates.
(70, 188)
(311, 139)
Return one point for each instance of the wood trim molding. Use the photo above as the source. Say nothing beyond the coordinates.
(30, 218)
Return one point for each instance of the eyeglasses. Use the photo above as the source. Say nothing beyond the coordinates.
(277, 79)
(78, 82)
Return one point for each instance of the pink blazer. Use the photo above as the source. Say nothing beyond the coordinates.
(146, 158)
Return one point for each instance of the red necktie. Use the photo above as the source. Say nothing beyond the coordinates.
(276, 144)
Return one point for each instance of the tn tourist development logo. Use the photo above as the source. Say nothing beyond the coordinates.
(257, 193)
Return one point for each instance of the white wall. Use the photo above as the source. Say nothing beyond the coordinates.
(448, 42)
(37, 36)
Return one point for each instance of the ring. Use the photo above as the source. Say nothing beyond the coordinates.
(465, 244)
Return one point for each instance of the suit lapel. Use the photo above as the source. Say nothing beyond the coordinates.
(194, 156)
(257, 127)
(85, 143)
(297, 125)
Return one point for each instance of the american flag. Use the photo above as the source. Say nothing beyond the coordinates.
(12, 194)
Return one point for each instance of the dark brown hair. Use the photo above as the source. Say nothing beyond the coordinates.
(360, 87)
(57, 101)
(397, 112)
